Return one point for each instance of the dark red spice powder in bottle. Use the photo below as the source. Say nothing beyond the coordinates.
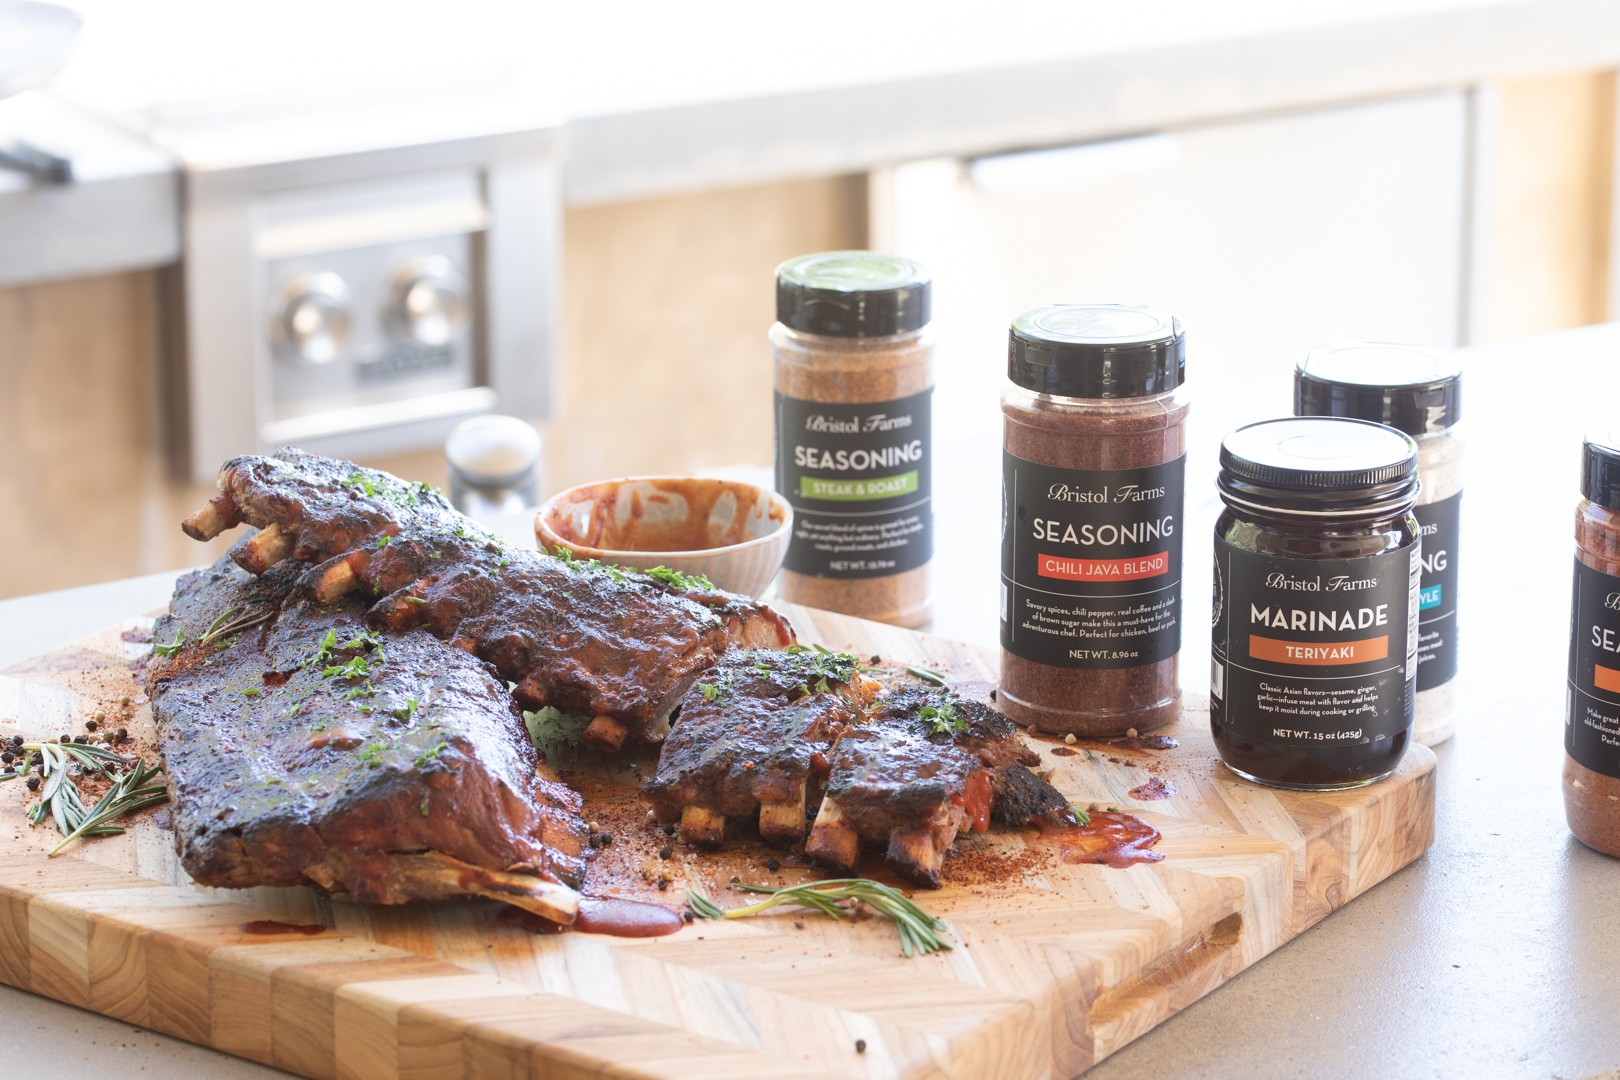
(1093, 474)
(1592, 723)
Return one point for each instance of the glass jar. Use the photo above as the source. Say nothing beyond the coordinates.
(854, 361)
(1313, 670)
(1093, 473)
(1592, 717)
(494, 467)
(1418, 391)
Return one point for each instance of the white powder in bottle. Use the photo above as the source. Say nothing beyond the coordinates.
(1418, 391)
(1440, 470)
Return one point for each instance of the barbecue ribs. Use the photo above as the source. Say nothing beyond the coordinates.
(616, 645)
(909, 771)
(305, 747)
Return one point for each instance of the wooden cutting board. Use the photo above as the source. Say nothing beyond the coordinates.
(1054, 966)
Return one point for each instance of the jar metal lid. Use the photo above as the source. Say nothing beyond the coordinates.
(854, 294)
(1600, 468)
(493, 451)
(1319, 466)
(1097, 351)
(1408, 387)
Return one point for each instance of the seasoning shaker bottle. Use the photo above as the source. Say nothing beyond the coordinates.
(1418, 391)
(1093, 475)
(494, 466)
(1592, 716)
(854, 370)
(1314, 636)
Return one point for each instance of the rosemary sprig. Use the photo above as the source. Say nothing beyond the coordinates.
(919, 931)
(60, 798)
(244, 622)
(927, 675)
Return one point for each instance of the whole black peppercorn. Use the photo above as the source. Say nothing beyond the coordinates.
(665, 852)
(81, 739)
(992, 695)
(16, 740)
(877, 659)
(122, 734)
(607, 838)
(33, 783)
(89, 725)
(735, 880)
(8, 757)
(686, 916)
(773, 865)
(663, 884)
(38, 758)
(860, 1046)
(669, 830)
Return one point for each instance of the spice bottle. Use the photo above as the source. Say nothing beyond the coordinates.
(1315, 632)
(1592, 720)
(854, 389)
(1093, 472)
(1418, 391)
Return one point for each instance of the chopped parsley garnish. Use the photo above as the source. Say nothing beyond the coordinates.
(945, 720)
(710, 691)
(431, 754)
(173, 647)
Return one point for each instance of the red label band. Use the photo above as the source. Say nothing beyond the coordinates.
(1143, 566)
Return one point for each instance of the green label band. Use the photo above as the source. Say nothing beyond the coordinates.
(887, 487)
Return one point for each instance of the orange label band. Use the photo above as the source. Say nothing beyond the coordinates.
(1143, 566)
(1326, 652)
(1606, 678)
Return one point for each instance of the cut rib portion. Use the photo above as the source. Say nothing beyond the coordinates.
(312, 749)
(771, 731)
(751, 732)
(589, 640)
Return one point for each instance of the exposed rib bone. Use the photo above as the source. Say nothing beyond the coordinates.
(264, 549)
(919, 852)
(452, 877)
(700, 826)
(783, 819)
(217, 515)
(832, 840)
(606, 733)
(338, 580)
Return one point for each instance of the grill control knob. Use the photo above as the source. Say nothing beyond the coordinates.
(427, 301)
(311, 320)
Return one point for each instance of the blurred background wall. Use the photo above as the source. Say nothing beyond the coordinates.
(1448, 217)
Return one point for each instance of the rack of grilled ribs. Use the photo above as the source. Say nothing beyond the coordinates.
(303, 746)
(774, 729)
(616, 645)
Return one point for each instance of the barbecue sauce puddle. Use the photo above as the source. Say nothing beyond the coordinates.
(1116, 840)
(603, 915)
(270, 926)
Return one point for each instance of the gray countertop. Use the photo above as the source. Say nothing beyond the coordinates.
(1494, 955)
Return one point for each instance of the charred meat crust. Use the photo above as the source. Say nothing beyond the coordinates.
(586, 639)
(309, 748)
(768, 731)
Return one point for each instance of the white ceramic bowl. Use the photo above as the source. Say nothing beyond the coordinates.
(734, 534)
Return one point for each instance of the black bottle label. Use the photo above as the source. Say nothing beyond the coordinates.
(1314, 651)
(1592, 717)
(1091, 563)
(860, 481)
(1437, 595)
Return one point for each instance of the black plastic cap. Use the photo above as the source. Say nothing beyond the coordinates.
(1097, 351)
(1414, 389)
(1319, 464)
(856, 294)
(1600, 469)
